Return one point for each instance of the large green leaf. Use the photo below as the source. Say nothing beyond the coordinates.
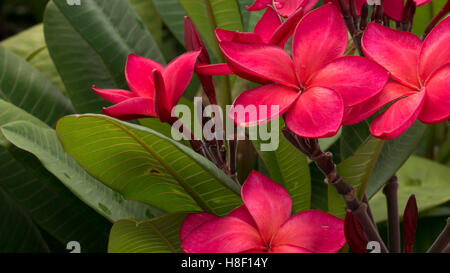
(18, 233)
(51, 205)
(208, 15)
(424, 14)
(172, 13)
(159, 235)
(147, 11)
(90, 44)
(44, 144)
(30, 46)
(356, 171)
(289, 167)
(24, 86)
(146, 166)
(428, 180)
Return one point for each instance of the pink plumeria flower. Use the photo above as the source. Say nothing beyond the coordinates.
(392, 8)
(263, 224)
(312, 89)
(284, 7)
(143, 75)
(421, 73)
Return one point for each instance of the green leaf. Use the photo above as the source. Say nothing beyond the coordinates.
(426, 179)
(51, 205)
(18, 233)
(424, 14)
(246, 15)
(147, 12)
(288, 167)
(172, 13)
(24, 86)
(44, 144)
(208, 15)
(159, 235)
(394, 153)
(356, 171)
(30, 46)
(90, 44)
(146, 166)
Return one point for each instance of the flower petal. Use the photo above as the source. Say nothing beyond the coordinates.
(398, 117)
(242, 213)
(317, 231)
(422, 2)
(248, 104)
(288, 249)
(437, 97)
(259, 5)
(394, 9)
(435, 50)
(213, 69)
(132, 109)
(163, 106)
(267, 25)
(360, 112)
(286, 29)
(355, 78)
(138, 72)
(397, 51)
(113, 95)
(224, 35)
(178, 74)
(193, 221)
(317, 113)
(312, 50)
(247, 37)
(260, 61)
(268, 203)
(287, 7)
(224, 235)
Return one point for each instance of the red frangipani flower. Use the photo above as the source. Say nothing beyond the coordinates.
(313, 88)
(155, 89)
(421, 73)
(284, 7)
(263, 224)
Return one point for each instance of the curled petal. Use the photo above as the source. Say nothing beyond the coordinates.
(360, 112)
(282, 34)
(397, 51)
(260, 61)
(224, 235)
(410, 223)
(394, 9)
(314, 230)
(138, 73)
(162, 106)
(435, 50)
(132, 109)
(437, 97)
(178, 74)
(224, 35)
(213, 69)
(317, 113)
(320, 37)
(268, 203)
(262, 104)
(398, 117)
(259, 5)
(355, 78)
(193, 221)
(267, 25)
(354, 233)
(194, 42)
(113, 95)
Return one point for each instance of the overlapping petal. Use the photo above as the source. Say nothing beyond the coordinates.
(242, 213)
(282, 34)
(224, 235)
(394, 9)
(260, 62)
(138, 71)
(435, 50)
(268, 203)
(317, 113)
(113, 95)
(356, 79)
(133, 108)
(248, 105)
(267, 25)
(436, 107)
(259, 5)
(320, 37)
(397, 51)
(398, 117)
(313, 230)
(193, 221)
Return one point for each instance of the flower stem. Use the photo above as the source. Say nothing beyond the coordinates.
(349, 14)
(324, 161)
(232, 148)
(436, 19)
(442, 242)
(391, 192)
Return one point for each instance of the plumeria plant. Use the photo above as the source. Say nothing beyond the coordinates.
(237, 126)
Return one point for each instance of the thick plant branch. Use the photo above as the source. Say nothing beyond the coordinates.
(442, 242)
(391, 192)
(350, 17)
(324, 161)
